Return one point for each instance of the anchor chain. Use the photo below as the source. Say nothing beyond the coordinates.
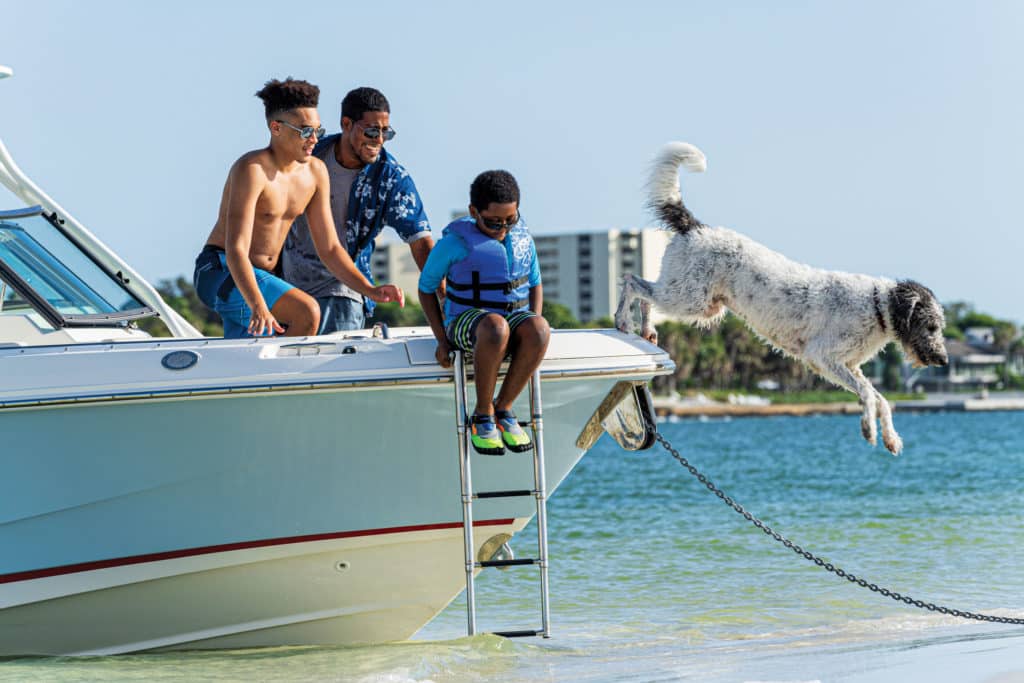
(811, 557)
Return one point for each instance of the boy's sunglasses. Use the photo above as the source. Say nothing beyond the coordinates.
(495, 224)
(306, 132)
(374, 132)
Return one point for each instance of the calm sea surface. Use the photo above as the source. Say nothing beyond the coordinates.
(655, 579)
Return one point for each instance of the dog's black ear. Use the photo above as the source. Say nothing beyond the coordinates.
(903, 299)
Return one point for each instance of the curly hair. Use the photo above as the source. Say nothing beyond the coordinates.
(499, 187)
(361, 100)
(282, 96)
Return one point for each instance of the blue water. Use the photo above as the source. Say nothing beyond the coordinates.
(653, 578)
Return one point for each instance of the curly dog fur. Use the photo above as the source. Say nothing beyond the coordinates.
(833, 322)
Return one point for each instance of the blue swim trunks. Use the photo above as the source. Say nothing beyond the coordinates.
(216, 288)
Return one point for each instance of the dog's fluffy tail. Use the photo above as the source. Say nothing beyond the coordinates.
(664, 196)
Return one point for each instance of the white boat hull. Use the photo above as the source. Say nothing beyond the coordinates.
(270, 497)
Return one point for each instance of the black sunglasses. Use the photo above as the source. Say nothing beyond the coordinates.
(306, 132)
(496, 224)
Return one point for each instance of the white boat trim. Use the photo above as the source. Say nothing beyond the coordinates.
(328, 385)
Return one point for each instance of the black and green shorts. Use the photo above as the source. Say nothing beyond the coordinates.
(461, 332)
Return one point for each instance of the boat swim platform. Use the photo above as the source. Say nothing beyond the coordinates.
(665, 407)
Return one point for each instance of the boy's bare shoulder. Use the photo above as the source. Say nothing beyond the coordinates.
(317, 165)
(256, 157)
(315, 170)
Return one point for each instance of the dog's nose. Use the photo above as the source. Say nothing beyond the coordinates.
(943, 360)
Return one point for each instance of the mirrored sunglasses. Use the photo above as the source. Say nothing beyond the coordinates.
(374, 132)
(306, 132)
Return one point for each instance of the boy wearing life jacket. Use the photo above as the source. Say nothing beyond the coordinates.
(493, 306)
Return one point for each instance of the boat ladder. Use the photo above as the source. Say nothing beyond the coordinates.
(538, 492)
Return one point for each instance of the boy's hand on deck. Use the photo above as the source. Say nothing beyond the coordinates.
(443, 354)
(388, 293)
(263, 323)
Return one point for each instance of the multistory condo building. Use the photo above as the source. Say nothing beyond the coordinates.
(582, 271)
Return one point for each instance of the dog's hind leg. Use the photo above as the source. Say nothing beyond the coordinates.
(647, 330)
(634, 288)
(624, 313)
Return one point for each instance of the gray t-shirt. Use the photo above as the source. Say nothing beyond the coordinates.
(302, 265)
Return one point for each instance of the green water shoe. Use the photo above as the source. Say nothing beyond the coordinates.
(484, 435)
(516, 440)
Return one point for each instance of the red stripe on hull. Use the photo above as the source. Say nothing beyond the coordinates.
(227, 547)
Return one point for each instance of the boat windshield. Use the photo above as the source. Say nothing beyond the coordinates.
(43, 269)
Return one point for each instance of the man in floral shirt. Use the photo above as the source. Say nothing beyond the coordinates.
(369, 190)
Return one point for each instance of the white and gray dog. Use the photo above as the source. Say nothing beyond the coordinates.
(833, 322)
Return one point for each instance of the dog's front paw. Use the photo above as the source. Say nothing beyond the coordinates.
(893, 442)
(650, 334)
(868, 430)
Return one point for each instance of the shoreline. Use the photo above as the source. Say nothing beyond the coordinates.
(664, 407)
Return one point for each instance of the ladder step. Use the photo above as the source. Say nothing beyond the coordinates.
(519, 634)
(504, 494)
(506, 563)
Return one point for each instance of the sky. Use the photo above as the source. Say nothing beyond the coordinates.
(884, 138)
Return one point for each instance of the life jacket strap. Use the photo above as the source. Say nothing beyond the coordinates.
(476, 285)
(477, 302)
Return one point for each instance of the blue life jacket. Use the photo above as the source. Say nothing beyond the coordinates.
(489, 277)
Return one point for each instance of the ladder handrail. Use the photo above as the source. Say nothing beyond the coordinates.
(466, 479)
(540, 482)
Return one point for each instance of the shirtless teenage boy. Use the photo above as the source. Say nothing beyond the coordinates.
(265, 190)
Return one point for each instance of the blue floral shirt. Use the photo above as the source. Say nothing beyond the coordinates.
(383, 194)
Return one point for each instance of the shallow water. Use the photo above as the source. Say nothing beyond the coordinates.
(654, 579)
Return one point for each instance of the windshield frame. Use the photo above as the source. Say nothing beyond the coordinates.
(39, 302)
